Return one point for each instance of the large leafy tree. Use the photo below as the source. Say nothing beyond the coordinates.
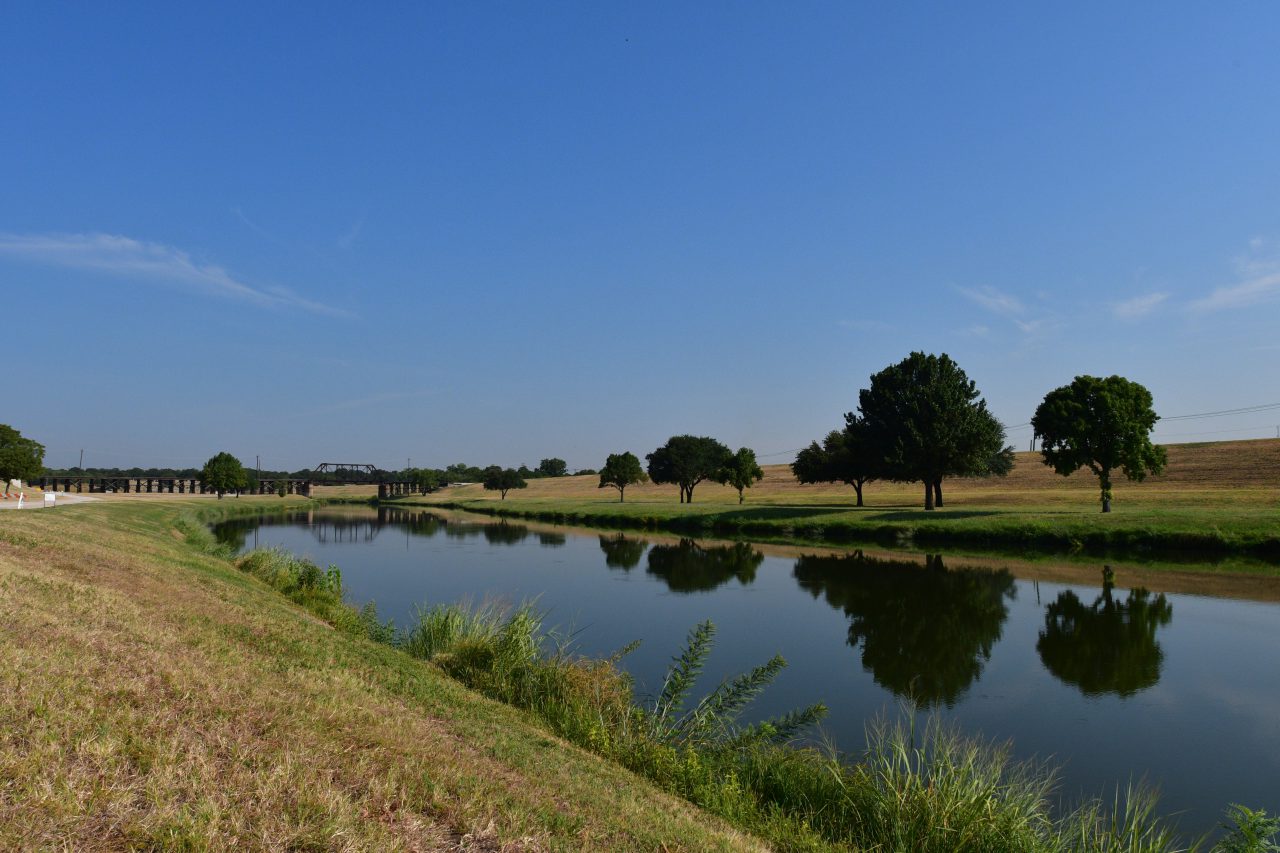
(1102, 425)
(984, 455)
(425, 479)
(223, 473)
(845, 456)
(741, 471)
(927, 421)
(553, 467)
(502, 480)
(621, 470)
(687, 460)
(20, 458)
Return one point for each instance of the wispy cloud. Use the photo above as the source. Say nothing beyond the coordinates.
(994, 301)
(1003, 305)
(255, 227)
(124, 257)
(1138, 306)
(347, 240)
(1258, 281)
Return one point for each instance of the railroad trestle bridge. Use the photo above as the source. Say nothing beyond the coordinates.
(165, 485)
(399, 489)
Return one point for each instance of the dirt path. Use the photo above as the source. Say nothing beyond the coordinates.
(37, 501)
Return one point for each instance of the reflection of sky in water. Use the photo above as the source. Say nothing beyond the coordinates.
(1206, 731)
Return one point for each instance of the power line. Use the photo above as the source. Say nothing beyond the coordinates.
(1265, 407)
(1220, 413)
(1216, 432)
(780, 453)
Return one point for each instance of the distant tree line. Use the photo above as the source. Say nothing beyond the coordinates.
(194, 473)
(684, 461)
(921, 420)
(432, 477)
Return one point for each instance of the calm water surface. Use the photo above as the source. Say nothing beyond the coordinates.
(1110, 680)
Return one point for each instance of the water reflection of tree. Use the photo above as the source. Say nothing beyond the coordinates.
(417, 523)
(622, 552)
(690, 567)
(503, 533)
(500, 533)
(234, 533)
(463, 530)
(551, 540)
(1108, 647)
(925, 631)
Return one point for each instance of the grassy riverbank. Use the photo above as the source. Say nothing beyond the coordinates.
(1215, 499)
(154, 694)
(155, 697)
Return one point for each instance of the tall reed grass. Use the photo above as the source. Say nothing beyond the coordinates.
(915, 788)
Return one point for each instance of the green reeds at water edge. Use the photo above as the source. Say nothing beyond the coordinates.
(915, 788)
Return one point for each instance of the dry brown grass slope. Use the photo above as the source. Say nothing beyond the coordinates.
(1246, 471)
(152, 697)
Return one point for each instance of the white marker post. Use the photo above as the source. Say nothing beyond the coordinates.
(22, 496)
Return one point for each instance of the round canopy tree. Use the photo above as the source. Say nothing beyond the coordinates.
(553, 467)
(20, 458)
(224, 473)
(1102, 425)
(926, 420)
(621, 470)
(502, 480)
(687, 460)
(741, 471)
(845, 456)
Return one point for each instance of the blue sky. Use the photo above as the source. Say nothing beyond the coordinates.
(501, 232)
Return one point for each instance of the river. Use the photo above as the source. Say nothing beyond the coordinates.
(1113, 671)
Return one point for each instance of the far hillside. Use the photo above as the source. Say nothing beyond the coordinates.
(1245, 471)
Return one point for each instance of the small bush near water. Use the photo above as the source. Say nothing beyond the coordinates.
(918, 789)
(320, 591)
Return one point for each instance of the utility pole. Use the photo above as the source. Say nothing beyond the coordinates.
(82, 450)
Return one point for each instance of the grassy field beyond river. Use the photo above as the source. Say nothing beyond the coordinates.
(1219, 497)
(153, 697)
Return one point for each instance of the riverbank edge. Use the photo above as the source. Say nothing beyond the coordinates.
(45, 554)
(797, 528)
(1133, 825)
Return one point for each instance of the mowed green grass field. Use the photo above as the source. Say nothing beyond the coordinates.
(1221, 496)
